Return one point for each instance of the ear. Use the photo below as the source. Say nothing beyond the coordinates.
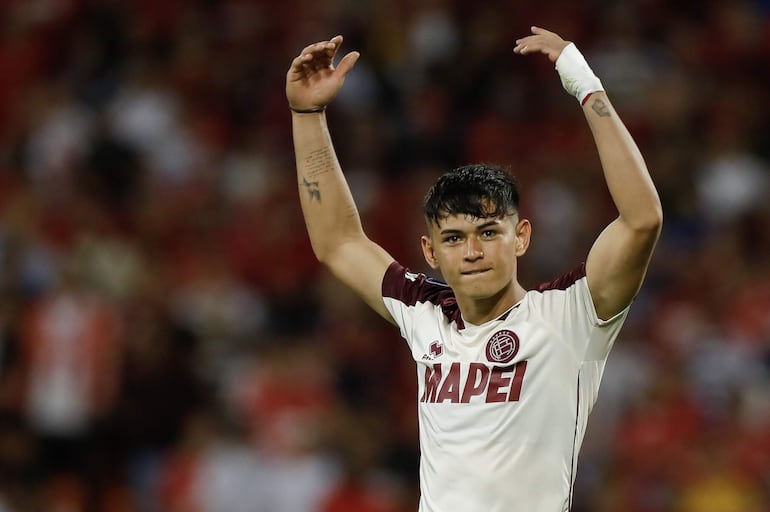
(427, 251)
(523, 233)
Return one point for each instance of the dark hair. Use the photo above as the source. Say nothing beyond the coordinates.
(478, 190)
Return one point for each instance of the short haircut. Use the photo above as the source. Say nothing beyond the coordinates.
(476, 190)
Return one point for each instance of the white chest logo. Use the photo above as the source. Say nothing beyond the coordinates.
(502, 346)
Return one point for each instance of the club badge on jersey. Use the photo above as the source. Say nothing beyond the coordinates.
(502, 347)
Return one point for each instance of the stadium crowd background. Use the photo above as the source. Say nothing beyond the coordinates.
(167, 340)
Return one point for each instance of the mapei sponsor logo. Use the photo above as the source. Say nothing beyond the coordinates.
(462, 383)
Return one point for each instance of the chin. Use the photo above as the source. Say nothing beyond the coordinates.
(479, 291)
(482, 295)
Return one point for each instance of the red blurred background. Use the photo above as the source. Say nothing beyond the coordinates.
(169, 343)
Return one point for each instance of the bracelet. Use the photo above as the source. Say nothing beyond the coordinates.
(313, 110)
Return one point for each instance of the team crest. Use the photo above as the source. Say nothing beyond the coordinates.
(502, 347)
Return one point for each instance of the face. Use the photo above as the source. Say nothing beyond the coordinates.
(477, 256)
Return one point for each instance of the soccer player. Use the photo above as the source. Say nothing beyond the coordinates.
(506, 376)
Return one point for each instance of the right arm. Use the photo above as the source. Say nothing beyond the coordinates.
(331, 216)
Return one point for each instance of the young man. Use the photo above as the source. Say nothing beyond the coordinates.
(506, 377)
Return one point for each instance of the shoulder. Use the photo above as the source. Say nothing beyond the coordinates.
(403, 285)
(564, 281)
(566, 296)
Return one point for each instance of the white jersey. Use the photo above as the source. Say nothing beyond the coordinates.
(502, 406)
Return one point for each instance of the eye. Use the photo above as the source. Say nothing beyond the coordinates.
(488, 233)
(451, 239)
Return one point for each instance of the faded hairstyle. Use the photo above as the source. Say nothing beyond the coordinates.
(477, 190)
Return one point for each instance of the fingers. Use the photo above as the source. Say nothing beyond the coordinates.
(528, 45)
(316, 61)
(540, 31)
(299, 61)
(321, 46)
(531, 43)
(541, 40)
(319, 55)
(347, 63)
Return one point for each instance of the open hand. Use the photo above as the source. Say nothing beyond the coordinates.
(543, 41)
(312, 80)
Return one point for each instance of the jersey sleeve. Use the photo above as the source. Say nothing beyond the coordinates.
(410, 296)
(569, 309)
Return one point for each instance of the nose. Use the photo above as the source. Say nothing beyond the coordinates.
(473, 249)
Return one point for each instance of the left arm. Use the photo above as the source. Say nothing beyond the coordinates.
(618, 259)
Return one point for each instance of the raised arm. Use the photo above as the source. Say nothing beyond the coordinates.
(618, 259)
(331, 216)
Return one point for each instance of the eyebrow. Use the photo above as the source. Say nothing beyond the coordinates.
(480, 227)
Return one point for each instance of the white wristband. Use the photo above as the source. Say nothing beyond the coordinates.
(576, 76)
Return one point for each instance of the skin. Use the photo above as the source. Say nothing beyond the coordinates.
(615, 266)
(478, 258)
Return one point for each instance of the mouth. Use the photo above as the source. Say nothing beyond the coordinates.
(474, 272)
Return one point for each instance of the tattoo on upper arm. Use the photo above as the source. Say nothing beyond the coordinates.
(600, 108)
(318, 162)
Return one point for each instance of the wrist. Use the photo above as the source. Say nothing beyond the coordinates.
(311, 110)
(576, 75)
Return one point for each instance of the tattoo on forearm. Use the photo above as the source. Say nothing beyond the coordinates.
(600, 108)
(318, 162)
(312, 189)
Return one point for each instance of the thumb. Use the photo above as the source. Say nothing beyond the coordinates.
(347, 63)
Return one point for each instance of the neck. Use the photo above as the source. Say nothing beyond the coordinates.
(478, 311)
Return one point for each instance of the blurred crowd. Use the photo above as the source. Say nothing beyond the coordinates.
(168, 342)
